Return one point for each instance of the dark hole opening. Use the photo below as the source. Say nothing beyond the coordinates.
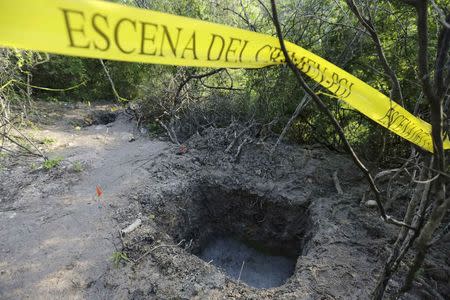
(100, 118)
(251, 238)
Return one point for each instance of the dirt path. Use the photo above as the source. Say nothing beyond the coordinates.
(55, 240)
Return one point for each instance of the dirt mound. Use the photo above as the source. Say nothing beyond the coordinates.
(284, 203)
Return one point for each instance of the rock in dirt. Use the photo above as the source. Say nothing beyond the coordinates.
(371, 203)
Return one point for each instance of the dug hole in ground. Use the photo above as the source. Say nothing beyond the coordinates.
(206, 225)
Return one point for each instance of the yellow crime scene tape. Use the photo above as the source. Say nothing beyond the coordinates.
(106, 30)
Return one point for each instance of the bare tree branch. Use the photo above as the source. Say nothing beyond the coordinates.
(441, 80)
(440, 203)
(396, 91)
(335, 123)
(194, 76)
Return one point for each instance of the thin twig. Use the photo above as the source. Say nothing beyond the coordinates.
(240, 272)
(231, 145)
(427, 181)
(194, 76)
(337, 185)
(21, 146)
(294, 116)
(28, 140)
(170, 132)
(246, 140)
(113, 86)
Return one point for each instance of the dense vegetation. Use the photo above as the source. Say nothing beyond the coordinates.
(376, 41)
(323, 27)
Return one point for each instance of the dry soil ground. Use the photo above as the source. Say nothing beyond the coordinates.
(57, 239)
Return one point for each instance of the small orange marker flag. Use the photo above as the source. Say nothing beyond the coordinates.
(99, 191)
